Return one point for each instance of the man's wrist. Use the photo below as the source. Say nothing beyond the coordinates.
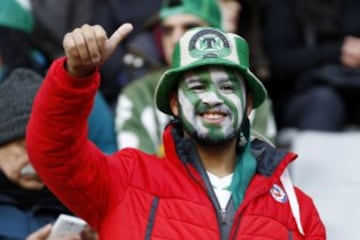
(79, 72)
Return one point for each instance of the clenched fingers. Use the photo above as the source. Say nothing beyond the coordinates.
(83, 46)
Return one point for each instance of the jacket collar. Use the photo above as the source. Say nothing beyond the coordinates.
(270, 161)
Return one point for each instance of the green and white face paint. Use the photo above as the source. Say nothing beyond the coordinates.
(212, 104)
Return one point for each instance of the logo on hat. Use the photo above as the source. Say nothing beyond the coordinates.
(209, 43)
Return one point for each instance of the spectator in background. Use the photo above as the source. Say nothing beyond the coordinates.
(16, 46)
(314, 52)
(26, 205)
(138, 123)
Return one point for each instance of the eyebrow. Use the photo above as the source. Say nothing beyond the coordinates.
(187, 26)
(192, 79)
(224, 79)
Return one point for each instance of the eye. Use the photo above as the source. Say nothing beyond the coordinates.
(227, 87)
(167, 30)
(197, 87)
(191, 25)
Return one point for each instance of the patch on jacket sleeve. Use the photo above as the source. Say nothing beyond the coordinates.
(278, 194)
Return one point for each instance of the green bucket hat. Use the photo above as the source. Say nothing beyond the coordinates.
(207, 10)
(16, 14)
(208, 47)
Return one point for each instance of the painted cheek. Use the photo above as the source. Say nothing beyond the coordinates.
(236, 102)
(186, 106)
(236, 106)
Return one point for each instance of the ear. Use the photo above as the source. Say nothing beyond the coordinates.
(250, 101)
(174, 104)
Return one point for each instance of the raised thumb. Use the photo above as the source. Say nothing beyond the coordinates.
(115, 39)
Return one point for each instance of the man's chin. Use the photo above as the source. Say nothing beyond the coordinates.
(212, 141)
(216, 139)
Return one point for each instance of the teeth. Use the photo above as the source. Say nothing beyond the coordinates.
(213, 116)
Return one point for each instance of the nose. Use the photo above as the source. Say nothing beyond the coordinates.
(210, 98)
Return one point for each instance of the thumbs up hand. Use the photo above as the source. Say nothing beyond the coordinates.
(88, 46)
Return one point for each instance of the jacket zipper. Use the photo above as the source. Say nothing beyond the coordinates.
(223, 216)
(226, 212)
(221, 213)
(150, 225)
(291, 235)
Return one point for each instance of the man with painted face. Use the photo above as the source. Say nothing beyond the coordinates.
(214, 181)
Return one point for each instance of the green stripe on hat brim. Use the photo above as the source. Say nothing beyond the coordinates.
(169, 80)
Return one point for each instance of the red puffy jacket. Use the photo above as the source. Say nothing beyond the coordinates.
(133, 195)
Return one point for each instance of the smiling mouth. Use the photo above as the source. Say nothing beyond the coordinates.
(213, 117)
